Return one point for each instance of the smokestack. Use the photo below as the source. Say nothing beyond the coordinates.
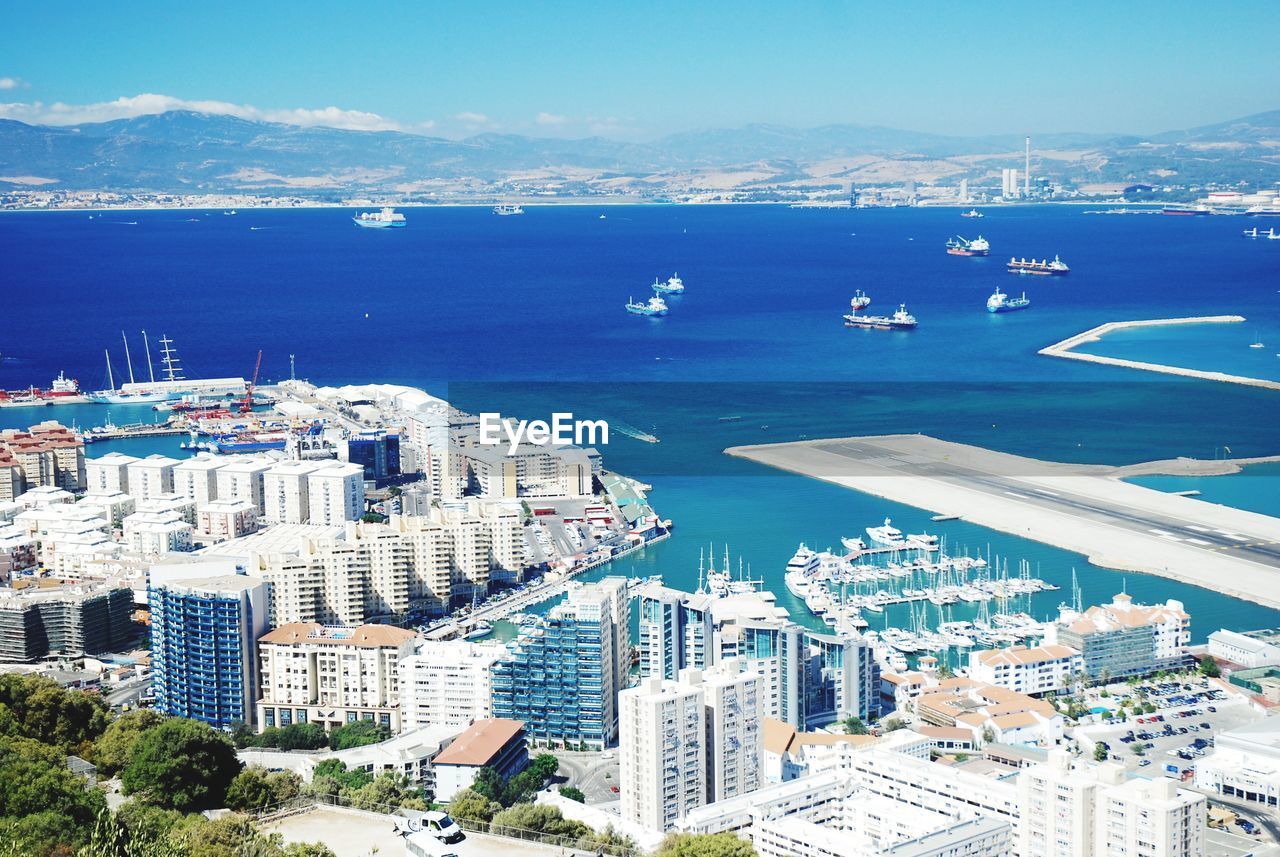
(1026, 176)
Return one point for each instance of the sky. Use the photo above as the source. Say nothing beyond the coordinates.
(641, 70)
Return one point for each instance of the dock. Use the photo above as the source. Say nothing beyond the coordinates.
(1065, 349)
(1084, 508)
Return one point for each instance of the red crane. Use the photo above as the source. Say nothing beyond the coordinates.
(247, 405)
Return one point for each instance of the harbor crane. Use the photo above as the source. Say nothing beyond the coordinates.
(247, 405)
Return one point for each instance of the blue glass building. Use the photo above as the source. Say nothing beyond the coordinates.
(203, 659)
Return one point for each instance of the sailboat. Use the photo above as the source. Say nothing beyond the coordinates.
(136, 395)
(1257, 342)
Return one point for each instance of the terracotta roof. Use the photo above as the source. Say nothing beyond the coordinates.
(481, 743)
(778, 736)
(946, 733)
(368, 636)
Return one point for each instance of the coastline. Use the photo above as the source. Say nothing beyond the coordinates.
(1086, 509)
(1065, 349)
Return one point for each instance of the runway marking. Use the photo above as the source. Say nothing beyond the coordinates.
(1015, 494)
(1160, 532)
(1235, 536)
(1199, 542)
(1198, 529)
(1046, 491)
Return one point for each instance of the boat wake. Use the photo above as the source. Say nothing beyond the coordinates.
(631, 431)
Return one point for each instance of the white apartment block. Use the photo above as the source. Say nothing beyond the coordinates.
(662, 750)
(220, 520)
(734, 727)
(1044, 669)
(197, 478)
(150, 477)
(335, 494)
(285, 492)
(115, 506)
(331, 676)
(180, 504)
(108, 474)
(1251, 650)
(241, 479)
(447, 683)
(792, 836)
(156, 534)
(1245, 765)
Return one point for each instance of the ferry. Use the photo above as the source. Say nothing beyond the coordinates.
(860, 300)
(1000, 302)
(655, 306)
(1187, 210)
(961, 246)
(507, 209)
(673, 286)
(900, 320)
(887, 535)
(387, 218)
(1044, 268)
(973, 212)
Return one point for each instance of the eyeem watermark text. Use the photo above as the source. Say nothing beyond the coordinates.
(561, 431)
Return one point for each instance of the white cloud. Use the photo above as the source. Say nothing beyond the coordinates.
(58, 113)
(472, 118)
(550, 119)
(11, 82)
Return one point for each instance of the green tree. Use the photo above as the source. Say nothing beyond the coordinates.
(892, 724)
(111, 750)
(357, 734)
(537, 817)
(854, 726)
(181, 764)
(1209, 667)
(1099, 752)
(50, 808)
(335, 770)
(573, 793)
(988, 735)
(38, 708)
(255, 788)
(470, 805)
(387, 793)
(111, 837)
(705, 845)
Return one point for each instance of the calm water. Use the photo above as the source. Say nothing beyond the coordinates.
(500, 312)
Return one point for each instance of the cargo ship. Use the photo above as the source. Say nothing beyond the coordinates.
(900, 320)
(387, 218)
(860, 300)
(1187, 210)
(673, 286)
(961, 246)
(1044, 268)
(655, 306)
(62, 390)
(1000, 302)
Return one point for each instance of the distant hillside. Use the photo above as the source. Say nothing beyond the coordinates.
(183, 151)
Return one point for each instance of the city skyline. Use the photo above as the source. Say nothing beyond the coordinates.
(441, 72)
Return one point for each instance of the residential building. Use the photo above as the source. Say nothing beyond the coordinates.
(114, 506)
(1123, 639)
(562, 677)
(10, 477)
(242, 479)
(180, 504)
(663, 751)
(48, 453)
(285, 492)
(331, 676)
(202, 646)
(219, 520)
(1245, 764)
(447, 683)
(1044, 669)
(109, 474)
(1005, 715)
(335, 494)
(151, 476)
(68, 620)
(491, 743)
(197, 478)
(734, 734)
(156, 534)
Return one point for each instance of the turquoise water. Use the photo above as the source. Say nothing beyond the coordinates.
(1209, 347)
(461, 300)
(1256, 487)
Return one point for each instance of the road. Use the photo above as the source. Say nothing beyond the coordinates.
(595, 773)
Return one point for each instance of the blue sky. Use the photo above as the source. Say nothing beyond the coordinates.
(640, 70)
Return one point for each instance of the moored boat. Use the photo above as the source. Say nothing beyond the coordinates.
(961, 246)
(387, 218)
(655, 306)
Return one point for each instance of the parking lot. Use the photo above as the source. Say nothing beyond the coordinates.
(1181, 731)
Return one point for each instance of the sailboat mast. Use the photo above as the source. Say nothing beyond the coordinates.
(111, 382)
(127, 359)
(147, 347)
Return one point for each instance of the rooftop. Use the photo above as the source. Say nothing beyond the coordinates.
(481, 743)
(365, 636)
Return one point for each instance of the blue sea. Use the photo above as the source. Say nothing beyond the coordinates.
(525, 315)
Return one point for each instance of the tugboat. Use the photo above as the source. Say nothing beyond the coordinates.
(961, 246)
(860, 300)
(655, 306)
(900, 320)
(673, 286)
(1000, 302)
(1045, 268)
(388, 218)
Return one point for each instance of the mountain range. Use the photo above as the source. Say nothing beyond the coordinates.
(189, 152)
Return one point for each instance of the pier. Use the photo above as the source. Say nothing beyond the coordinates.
(1066, 347)
(1083, 508)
